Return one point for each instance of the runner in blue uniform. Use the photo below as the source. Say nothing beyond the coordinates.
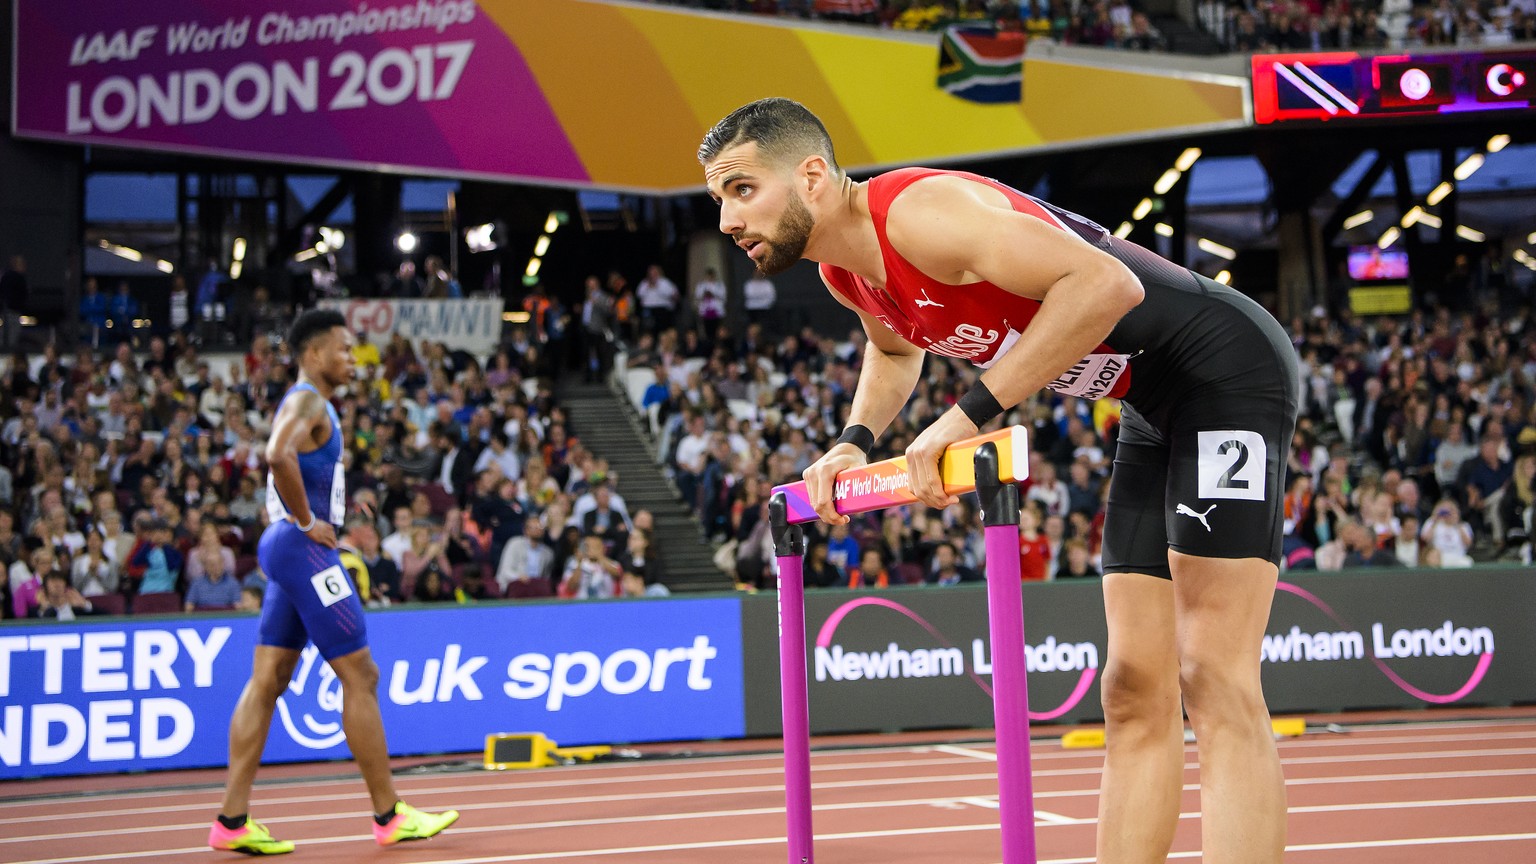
(310, 598)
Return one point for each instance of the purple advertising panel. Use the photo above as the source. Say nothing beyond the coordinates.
(430, 85)
(916, 658)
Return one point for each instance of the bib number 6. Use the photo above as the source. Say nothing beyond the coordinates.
(331, 585)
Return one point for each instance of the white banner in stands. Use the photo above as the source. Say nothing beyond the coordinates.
(473, 325)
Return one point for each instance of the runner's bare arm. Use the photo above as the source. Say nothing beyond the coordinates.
(892, 366)
(891, 369)
(959, 231)
(294, 426)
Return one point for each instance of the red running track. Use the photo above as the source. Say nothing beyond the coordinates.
(1421, 792)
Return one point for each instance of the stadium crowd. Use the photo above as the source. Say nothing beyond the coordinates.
(1416, 446)
(1105, 23)
(136, 481)
(1237, 25)
(1313, 25)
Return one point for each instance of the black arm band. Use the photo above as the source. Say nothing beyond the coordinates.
(858, 436)
(979, 404)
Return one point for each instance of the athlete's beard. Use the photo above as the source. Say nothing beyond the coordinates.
(789, 238)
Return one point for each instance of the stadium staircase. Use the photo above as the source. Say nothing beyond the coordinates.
(607, 424)
(1184, 37)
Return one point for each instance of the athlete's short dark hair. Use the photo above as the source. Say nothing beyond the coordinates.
(783, 130)
(310, 324)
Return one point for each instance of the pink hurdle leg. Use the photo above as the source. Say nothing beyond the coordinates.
(1010, 684)
(789, 546)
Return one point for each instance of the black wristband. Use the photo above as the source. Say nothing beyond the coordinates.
(979, 404)
(859, 436)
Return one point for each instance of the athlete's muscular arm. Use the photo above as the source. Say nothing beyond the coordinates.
(295, 425)
(892, 366)
(958, 231)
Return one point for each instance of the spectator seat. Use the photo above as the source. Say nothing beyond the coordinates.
(109, 604)
(157, 603)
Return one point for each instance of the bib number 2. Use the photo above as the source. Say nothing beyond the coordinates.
(1232, 464)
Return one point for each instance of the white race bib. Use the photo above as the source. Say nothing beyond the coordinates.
(276, 512)
(1093, 377)
(338, 496)
(331, 585)
(1233, 464)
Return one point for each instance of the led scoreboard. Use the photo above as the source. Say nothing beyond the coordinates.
(1346, 85)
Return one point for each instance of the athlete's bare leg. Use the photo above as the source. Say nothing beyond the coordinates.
(270, 673)
(1143, 723)
(363, 726)
(360, 720)
(1222, 607)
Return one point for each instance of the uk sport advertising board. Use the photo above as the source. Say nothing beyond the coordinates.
(123, 694)
(127, 695)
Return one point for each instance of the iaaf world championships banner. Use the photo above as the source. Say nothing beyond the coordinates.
(125, 695)
(432, 84)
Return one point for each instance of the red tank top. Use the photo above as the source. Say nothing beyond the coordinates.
(977, 321)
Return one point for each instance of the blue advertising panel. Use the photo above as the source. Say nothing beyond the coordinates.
(128, 695)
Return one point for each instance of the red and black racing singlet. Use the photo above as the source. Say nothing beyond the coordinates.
(977, 321)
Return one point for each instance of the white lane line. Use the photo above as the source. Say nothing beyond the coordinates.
(508, 782)
(1408, 757)
(211, 795)
(747, 790)
(1409, 841)
(1038, 754)
(1397, 778)
(968, 752)
(984, 802)
(1345, 739)
(776, 788)
(763, 841)
(1513, 723)
(578, 853)
(776, 811)
(405, 779)
(1414, 805)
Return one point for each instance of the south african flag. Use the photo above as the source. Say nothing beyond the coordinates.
(981, 64)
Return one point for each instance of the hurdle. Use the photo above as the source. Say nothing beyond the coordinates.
(988, 465)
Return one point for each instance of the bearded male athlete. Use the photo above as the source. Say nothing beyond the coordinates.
(310, 598)
(961, 265)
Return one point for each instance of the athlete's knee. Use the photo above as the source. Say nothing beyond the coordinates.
(268, 684)
(1220, 689)
(358, 673)
(369, 676)
(270, 676)
(283, 670)
(1134, 690)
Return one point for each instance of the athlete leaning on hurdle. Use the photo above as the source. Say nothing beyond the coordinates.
(964, 266)
(310, 598)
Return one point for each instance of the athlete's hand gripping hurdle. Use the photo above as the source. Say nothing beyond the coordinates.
(989, 465)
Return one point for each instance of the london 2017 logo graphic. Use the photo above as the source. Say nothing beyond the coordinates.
(310, 709)
(835, 663)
